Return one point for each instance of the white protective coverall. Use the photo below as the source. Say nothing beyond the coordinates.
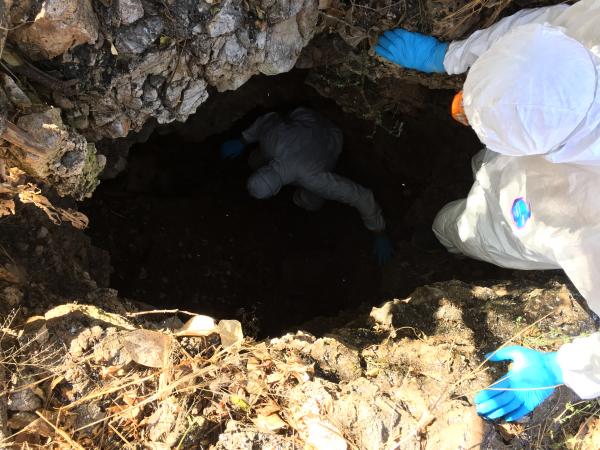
(302, 149)
(532, 95)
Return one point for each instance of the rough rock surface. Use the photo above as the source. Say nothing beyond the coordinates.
(69, 163)
(128, 11)
(157, 60)
(58, 26)
(140, 62)
(403, 377)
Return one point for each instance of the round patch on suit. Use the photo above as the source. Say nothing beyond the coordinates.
(521, 212)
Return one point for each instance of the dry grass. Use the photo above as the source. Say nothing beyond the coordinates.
(200, 388)
(189, 399)
(470, 9)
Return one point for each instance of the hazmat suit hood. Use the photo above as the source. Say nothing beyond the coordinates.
(264, 183)
(532, 91)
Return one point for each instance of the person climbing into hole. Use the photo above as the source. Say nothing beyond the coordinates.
(532, 95)
(301, 149)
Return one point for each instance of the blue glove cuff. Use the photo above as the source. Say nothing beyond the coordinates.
(437, 60)
(551, 362)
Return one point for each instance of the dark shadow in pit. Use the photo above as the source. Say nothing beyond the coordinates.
(183, 232)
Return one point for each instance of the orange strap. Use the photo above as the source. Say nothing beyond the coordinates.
(458, 111)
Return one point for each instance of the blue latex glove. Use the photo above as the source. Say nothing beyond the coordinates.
(412, 50)
(232, 149)
(383, 249)
(531, 379)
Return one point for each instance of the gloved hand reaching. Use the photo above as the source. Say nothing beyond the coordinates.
(383, 249)
(533, 377)
(412, 50)
(232, 149)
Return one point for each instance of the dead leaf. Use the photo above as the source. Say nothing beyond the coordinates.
(350, 33)
(106, 372)
(42, 335)
(30, 193)
(324, 4)
(198, 326)
(275, 377)
(588, 436)
(323, 435)
(268, 424)
(39, 392)
(149, 348)
(7, 207)
(21, 419)
(11, 273)
(230, 332)
(125, 411)
(40, 426)
(240, 403)
(15, 175)
(55, 382)
(261, 351)
(509, 430)
(91, 311)
(270, 408)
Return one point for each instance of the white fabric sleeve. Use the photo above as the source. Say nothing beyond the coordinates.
(334, 187)
(578, 253)
(577, 250)
(253, 132)
(580, 365)
(462, 54)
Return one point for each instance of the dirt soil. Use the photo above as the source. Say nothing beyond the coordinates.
(402, 376)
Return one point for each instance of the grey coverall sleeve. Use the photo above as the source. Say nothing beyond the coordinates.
(334, 187)
(254, 132)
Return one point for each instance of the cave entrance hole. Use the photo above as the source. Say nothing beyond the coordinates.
(183, 232)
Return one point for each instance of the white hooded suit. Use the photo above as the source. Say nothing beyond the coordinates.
(532, 95)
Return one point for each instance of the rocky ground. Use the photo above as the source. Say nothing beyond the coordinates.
(102, 372)
(81, 366)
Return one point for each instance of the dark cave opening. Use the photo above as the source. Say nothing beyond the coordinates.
(183, 232)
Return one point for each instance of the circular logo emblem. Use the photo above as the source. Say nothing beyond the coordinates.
(521, 212)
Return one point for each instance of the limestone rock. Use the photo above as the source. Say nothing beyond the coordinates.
(15, 93)
(237, 436)
(287, 39)
(364, 410)
(194, 95)
(59, 26)
(23, 400)
(71, 163)
(138, 37)
(227, 20)
(128, 11)
(335, 357)
(162, 68)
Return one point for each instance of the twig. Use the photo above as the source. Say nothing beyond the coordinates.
(127, 443)
(341, 21)
(161, 311)
(62, 433)
(28, 70)
(3, 408)
(23, 140)
(5, 6)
